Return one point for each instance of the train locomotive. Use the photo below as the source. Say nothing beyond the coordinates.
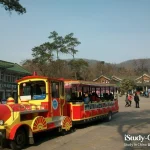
(47, 103)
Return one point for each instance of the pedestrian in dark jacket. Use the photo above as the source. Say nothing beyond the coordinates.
(136, 99)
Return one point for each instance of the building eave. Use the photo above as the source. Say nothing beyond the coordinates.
(102, 76)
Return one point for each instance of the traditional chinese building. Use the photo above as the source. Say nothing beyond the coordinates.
(9, 73)
(105, 79)
(143, 82)
(102, 79)
(116, 80)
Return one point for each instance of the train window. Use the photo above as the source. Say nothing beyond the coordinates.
(55, 89)
(68, 93)
(35, 89)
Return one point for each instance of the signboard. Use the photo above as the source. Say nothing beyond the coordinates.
(55, 104)
(8, 86)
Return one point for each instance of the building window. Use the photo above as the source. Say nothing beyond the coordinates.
(8, 78)
(13, 78)
(103, 81)
(107, 81)
(2, 76)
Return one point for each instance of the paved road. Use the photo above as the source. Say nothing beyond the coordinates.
(104, 135)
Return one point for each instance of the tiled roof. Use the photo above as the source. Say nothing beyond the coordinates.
(116, 78)
(143, 76)
(100, 77)
(13, 67)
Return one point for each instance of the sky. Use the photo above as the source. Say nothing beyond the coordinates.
(109, 30)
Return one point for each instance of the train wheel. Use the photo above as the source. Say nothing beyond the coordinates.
(109, 117)
(63, 132)
(73, 129)
(20, 140)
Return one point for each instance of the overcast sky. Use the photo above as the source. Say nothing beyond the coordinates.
(109, 30)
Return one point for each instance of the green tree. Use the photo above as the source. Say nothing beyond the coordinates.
(71, 42)
(43, 53)
(65, 44)
(43, 56)
(13, 5)
(58, 43)
(100, 65)
(127, 85)
(78, 67)
(60, 69)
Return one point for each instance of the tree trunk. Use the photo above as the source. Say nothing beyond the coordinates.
(57, 55)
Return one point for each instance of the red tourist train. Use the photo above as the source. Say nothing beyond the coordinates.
(46, 103)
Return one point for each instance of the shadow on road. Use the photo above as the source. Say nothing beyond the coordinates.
(132, 124)
(124, 121)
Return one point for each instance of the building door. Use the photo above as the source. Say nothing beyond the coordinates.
(1, 94)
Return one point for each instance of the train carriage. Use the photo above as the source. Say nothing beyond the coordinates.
(89, 101)
(47, 103)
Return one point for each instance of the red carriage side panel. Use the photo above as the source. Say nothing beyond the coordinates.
(77, 112)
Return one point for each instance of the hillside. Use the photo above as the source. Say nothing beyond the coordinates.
(129, 64)
(136, 63)
(90, 61)
(128, 69)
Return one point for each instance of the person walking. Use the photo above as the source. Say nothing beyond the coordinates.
(127, 101)
(130, 99)
(136, 99)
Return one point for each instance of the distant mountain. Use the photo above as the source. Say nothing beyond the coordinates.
(129, 64)
(135, 63)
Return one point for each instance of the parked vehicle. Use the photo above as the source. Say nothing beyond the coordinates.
(48, 103)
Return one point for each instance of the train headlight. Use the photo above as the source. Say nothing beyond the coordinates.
(1, 122)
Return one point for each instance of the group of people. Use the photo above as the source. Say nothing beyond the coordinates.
(129, 98)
